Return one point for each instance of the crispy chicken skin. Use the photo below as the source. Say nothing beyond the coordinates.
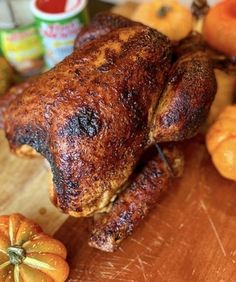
(10, 96)
(90, 115)
(185, 103)
(102, 24)
(94, 114)
(134, 203)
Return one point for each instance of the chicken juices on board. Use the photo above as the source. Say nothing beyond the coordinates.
(96, 112)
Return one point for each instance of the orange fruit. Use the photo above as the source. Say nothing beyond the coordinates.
(219, 28)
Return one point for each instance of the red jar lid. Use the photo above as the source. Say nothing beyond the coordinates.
(51, 6)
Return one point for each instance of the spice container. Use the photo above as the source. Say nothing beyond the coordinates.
(19, 39)
(58, 24)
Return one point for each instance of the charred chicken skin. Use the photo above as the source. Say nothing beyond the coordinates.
(138, 198)
(94, 114)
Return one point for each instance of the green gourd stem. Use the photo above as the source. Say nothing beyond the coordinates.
(16, 254)
(163, 11)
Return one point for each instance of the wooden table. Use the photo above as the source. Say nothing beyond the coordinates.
(189, 236)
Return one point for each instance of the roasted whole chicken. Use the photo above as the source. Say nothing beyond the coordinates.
(125, 88)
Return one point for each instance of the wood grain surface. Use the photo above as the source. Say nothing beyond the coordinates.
(189, 236)
(24, 189)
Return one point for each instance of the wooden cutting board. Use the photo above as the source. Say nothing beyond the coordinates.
(23, 188)
(189, 236)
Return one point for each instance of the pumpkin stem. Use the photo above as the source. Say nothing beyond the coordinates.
(163, 11)
(16, 254)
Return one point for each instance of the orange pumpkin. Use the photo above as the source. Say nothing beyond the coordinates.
(29, 255)
(219, 28)
(221, 142)
(168, 16)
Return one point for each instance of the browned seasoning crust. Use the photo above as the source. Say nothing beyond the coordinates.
(195, 42)
(189, 92)
(90, 115)
(185, 103)
(102, 24)
(10, 96)
(96, 112)
(134, 203)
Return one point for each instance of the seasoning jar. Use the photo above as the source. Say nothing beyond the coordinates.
(58, 23)
(19, 38)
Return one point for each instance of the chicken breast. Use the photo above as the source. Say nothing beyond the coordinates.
(97, 111)
(90, 115)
